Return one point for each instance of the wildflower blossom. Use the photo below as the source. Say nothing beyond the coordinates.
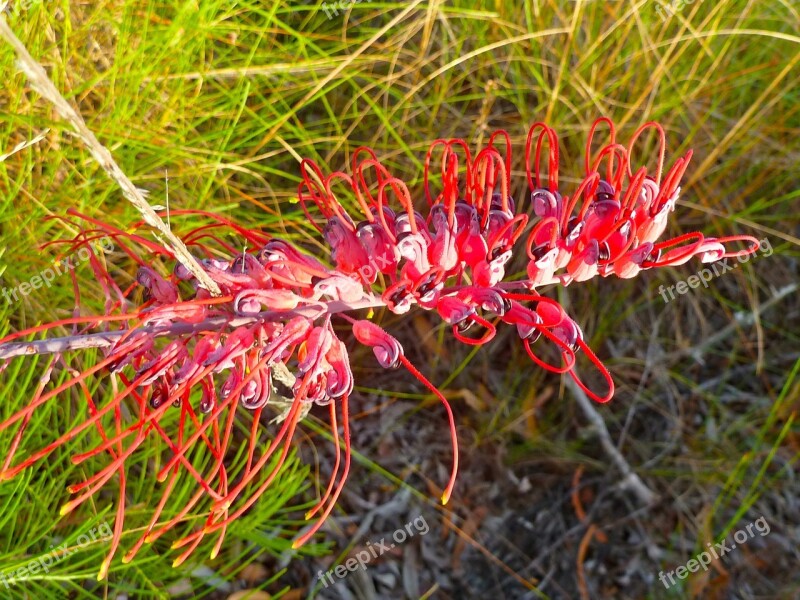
(211, 359)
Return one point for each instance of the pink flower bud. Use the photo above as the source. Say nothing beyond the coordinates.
(236, 345)
(387, 349)
(340, 377)
(161, 290)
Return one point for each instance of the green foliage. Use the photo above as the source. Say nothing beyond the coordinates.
(226, 97)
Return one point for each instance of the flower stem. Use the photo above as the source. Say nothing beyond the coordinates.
(109, 338)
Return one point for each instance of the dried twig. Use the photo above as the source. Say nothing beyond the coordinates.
(583, 588)
(42, 84)
(630, 479)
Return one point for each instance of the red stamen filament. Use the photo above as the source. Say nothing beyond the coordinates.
(451, 419)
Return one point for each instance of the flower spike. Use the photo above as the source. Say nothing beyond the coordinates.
(169, 348)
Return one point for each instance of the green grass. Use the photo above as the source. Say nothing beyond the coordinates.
(226, 97)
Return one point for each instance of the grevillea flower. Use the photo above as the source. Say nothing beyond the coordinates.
(213, 359)
(621, 215)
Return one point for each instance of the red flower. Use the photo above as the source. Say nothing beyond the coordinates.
(620, 219)
(278, 306)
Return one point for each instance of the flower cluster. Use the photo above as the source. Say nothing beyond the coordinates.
(621, 217)
(175, 347)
